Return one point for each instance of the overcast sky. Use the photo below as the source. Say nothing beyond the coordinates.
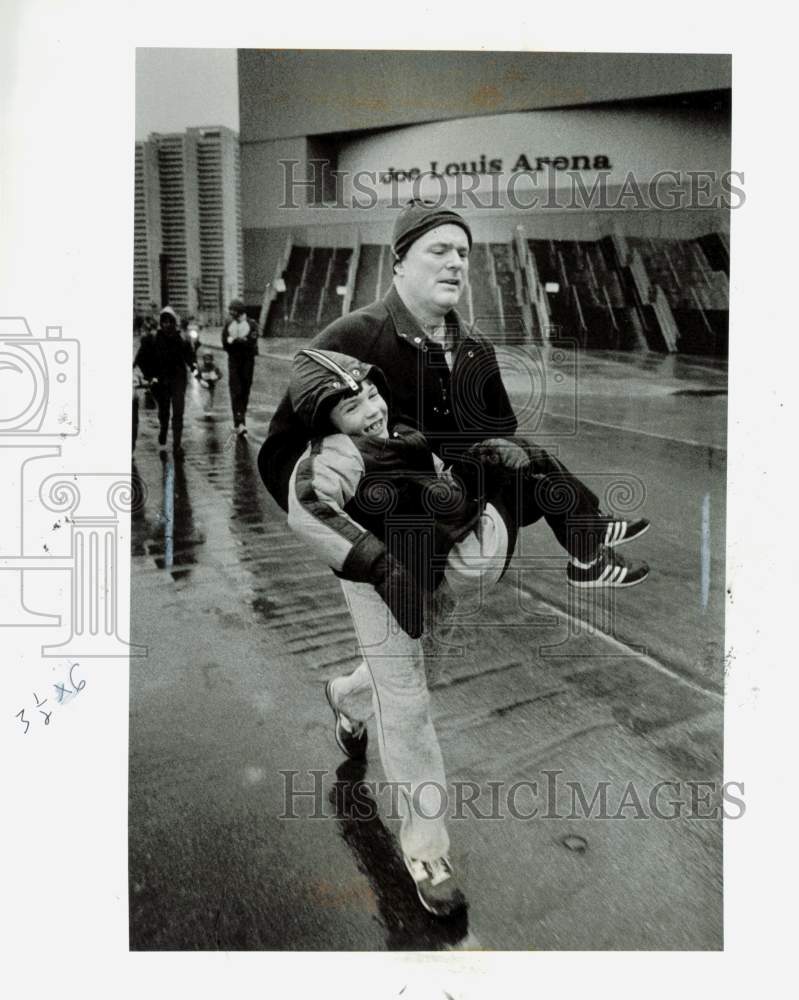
(177, 88)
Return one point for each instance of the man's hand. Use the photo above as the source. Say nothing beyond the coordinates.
(499, 452)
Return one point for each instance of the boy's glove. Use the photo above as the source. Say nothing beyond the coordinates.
(401, 593)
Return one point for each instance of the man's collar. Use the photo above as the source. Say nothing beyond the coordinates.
(408, 328)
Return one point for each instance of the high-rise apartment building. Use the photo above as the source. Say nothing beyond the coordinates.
(187, 222)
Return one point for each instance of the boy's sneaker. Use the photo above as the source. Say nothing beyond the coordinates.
(350, 736)
(436, 886)
(609, 570)
(619, 532)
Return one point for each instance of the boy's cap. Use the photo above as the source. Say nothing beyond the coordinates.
(419, 217)
(320, 378)
(237, 306)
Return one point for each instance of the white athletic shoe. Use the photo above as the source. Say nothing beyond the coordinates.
(436, 886)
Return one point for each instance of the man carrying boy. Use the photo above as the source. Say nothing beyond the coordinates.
(446, 383)
(375, 503)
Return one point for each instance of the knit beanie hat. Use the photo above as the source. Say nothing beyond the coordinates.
(419, 217)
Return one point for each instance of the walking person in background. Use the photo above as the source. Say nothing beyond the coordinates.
(240, 341)
(165, 359)
(208, 374)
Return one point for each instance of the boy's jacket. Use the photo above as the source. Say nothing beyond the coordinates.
(353, 499)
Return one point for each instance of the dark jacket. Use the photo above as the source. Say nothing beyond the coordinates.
(165, 356)
(247, 348)
(453, 409)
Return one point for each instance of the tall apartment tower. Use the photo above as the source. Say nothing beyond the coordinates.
(219, 195)
(187, 224)
(146, 228)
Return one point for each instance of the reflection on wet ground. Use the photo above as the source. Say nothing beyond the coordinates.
(408, 927)
(163, 527)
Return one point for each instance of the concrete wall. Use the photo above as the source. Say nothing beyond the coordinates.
(262, 180)
(263, 248)
(297, 106)
(636, 144)
(262, 251)
(288, 93)
(620, 142)
(277, 175)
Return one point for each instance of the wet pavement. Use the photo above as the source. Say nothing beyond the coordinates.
(540, 684)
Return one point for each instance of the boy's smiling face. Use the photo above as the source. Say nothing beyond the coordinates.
(366, 413)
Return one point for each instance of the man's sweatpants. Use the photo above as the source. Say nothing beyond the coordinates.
(391, 684)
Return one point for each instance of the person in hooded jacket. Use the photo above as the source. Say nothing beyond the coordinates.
(165, 360)
(240, 342)
(375, 502)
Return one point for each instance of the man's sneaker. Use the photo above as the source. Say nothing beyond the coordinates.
(350, 736)
(436, 886)
(619, 532)
(609, 570)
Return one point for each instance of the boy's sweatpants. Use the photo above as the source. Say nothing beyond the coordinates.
(391, 684)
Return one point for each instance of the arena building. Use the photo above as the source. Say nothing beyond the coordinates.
(598, 187)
